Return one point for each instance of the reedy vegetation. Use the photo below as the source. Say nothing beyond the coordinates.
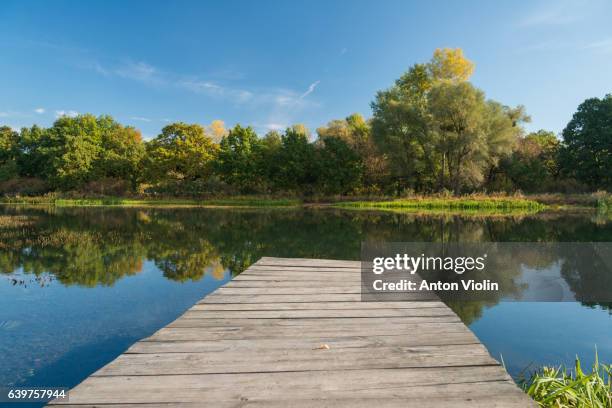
(558, 387)
(432, 131)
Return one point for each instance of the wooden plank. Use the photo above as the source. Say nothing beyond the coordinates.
(304, 359)
(315, 332)
(295, 332)
(309, 298)
(318, 314)
(151, 346)
(288, 386)
(319, 306)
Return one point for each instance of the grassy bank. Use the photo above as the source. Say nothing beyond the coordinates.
(150, 202)
(467, 203)
(475, 203)
(559, 387)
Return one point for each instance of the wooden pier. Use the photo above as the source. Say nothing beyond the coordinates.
(294, 333)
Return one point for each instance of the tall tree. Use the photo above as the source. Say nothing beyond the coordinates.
(587, 152)
(73, 146)
(295, 162)
(122, 153)
(216, 130)
(181, 152)
(534, 165)
(339, 167)
(34, 159)
(356, 132)
(9, 153)
(238, 159)
(449, 64)
(401, 129)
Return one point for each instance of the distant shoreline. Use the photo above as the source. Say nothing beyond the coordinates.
(470, 203)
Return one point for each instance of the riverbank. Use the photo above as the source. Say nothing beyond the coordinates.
(152, 202)
(469, 203)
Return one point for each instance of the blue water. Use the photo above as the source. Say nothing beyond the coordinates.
(55, 335)
(79, 286)
(526, 335)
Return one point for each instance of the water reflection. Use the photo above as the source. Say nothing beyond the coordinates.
(96, 246)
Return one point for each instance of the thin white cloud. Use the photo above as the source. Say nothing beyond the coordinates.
(68, 113)
(561, 12)
(550, 14)
(40, 111)
(139, 71)
(603, 46)
(213, 89)
(310, 89)
(140, 118)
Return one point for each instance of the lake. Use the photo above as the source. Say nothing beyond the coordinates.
(79, 285)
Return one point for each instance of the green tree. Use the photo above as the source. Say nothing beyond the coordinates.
(438, 131)
(533, 166)
(340, 167)
(72, 148)
(121, 155)
(34, 159)
(587, 151)
(295, 162)
(238, 159)
(9, 152)
(401, 129)
(181, 152)
(356, 132)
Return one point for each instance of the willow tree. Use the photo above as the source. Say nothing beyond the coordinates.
(472, 134)
(438, 130)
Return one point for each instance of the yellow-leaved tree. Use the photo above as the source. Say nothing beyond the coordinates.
(448, 64)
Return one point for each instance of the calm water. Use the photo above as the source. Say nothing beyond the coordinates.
(80, 285)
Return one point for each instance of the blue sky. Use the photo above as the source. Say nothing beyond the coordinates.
(273, 63)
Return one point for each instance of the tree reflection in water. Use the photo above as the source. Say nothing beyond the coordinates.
(98, 246)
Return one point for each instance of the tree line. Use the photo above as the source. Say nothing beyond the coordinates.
(431, 131)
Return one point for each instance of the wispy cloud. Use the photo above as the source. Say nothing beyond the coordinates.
(603, 46)
(235, 95)
(310, 89)
(140, 118)
(68, 113)
(279, 105)
(561, 12)
(139, 71)
(40, 111)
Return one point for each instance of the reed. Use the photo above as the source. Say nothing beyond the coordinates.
(559, 387)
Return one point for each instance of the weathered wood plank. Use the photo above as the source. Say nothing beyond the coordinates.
(305, 359)
(287, 386)
(247, 345)
(319, 306)
(309, 298)
(317, 314)
(294, 332)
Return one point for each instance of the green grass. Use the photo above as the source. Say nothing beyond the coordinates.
(174, 202)
(467, 203)
(563, 388)
(604, 202)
